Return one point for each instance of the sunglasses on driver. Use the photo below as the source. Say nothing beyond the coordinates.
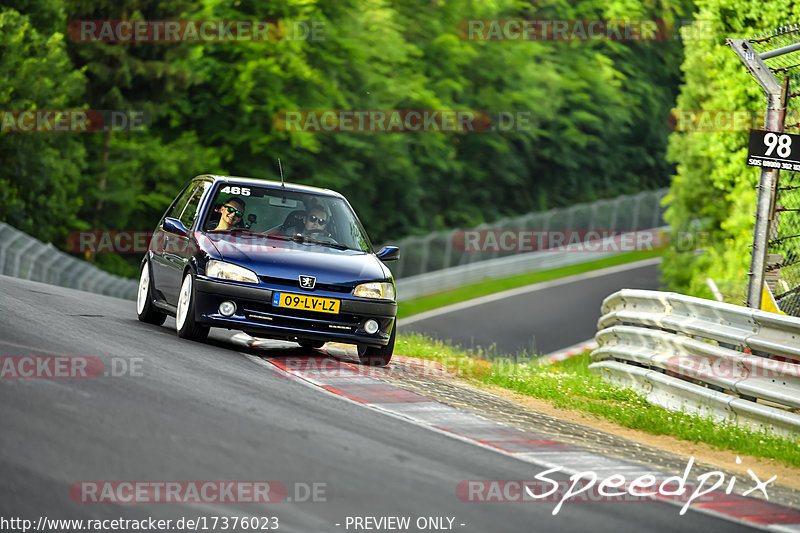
(233, 210)
(316, 220)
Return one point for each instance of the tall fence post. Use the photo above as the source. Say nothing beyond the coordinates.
(768, 180)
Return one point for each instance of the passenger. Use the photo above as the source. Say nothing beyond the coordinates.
(315, 221)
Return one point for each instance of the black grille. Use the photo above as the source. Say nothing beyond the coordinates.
(295, 284)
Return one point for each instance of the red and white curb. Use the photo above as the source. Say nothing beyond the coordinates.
(351, 382)
(569, 351)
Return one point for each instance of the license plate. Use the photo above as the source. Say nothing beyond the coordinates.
(307, 303)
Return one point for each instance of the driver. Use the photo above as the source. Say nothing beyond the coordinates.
(315, 221)
(230, 213)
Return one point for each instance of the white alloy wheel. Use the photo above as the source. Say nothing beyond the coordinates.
(144, 290)
(184, 299)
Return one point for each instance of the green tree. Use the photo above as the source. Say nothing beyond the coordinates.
(135, 174)
(713, 192)
(43, 179)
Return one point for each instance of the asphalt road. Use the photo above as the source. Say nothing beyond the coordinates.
(538, 318)
(205, 411)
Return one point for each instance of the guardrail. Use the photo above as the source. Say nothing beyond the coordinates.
(22, 256)
(733, 363)
(436, 251)
(518, 263)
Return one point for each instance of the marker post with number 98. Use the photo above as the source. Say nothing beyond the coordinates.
(768, 149)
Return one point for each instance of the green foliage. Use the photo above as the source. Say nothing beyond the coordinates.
(596, 110)
(43, 172)
(713, 186)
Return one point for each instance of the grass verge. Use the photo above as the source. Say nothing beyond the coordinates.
(482, 288)
(570, 385)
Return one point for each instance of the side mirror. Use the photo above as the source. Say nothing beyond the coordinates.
(175, 226)
(389, 253)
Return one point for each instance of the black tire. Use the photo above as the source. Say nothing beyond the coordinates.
(311, 344)
(378, 356)
(145, 309)
(185, 323)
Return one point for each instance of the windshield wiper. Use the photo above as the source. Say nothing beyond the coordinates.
(300, 238)
(328, 244)
(278, 236)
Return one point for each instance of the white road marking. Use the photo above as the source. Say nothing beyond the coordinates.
(524, 290)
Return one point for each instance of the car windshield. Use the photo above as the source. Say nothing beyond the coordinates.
(303, 217)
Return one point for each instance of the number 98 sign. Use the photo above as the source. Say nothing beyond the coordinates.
(774, 150)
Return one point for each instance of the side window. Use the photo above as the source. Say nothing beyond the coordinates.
(177, 209)
(190, 211)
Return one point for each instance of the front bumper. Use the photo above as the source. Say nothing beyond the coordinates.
(256, 315)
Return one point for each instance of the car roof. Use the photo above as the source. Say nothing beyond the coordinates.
(258, 182)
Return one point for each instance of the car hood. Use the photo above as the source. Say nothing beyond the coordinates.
(289, 259)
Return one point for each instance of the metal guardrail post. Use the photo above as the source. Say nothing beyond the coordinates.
(448, 250)
(20, 254)
(34, 261)
(614, 214)
(49, 275)
(636, 206)
(656, 211)
(768, 181)
(6, 245)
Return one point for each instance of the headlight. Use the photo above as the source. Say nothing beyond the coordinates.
(383, 291)
(229, 271)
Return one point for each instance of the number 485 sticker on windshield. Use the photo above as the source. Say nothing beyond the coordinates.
(774, 150)
(243, 191)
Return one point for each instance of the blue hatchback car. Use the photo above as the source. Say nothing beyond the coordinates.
(274, 260)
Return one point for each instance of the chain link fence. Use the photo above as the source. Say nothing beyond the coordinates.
(22, 256)
(782, 270)
(436, 251)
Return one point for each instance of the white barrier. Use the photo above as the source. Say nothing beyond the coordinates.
(730, 362)
(22, 256)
